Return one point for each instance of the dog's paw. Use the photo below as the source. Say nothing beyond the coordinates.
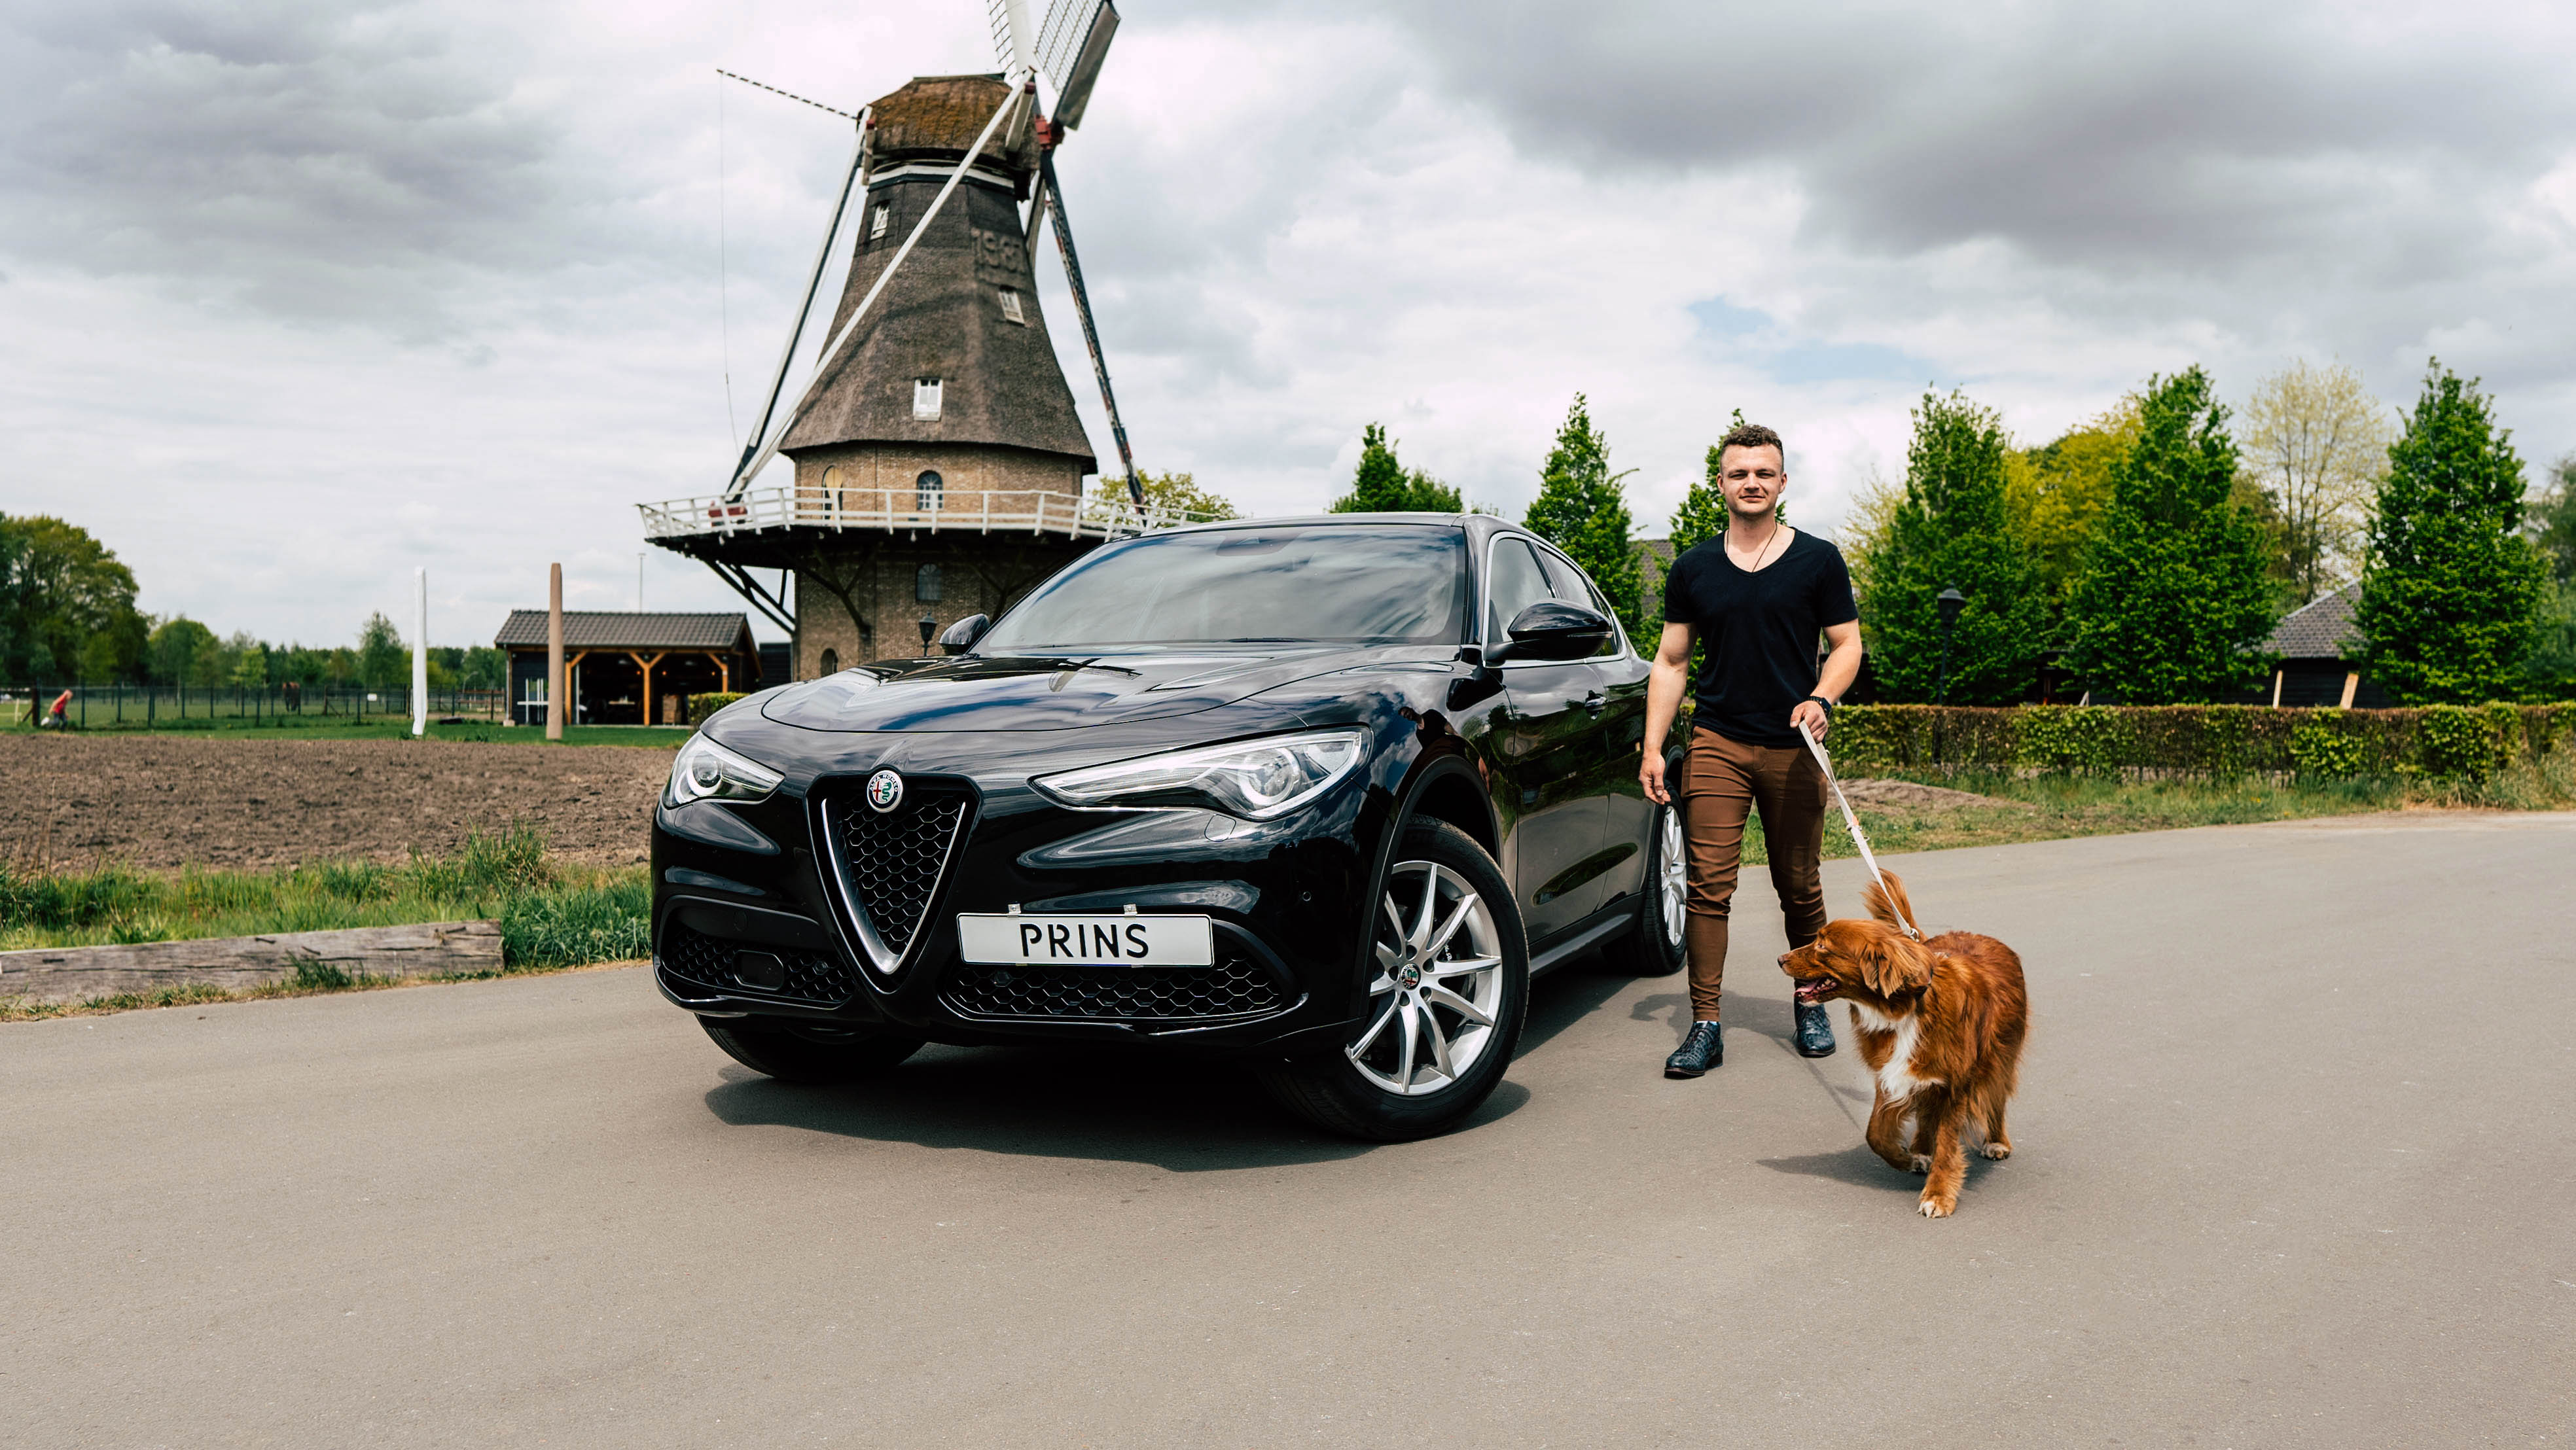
(1936, 1208)
(1922, 1163)
(1997, 1151)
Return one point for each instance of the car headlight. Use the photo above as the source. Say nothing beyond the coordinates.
(708, 771)
(1258, 780)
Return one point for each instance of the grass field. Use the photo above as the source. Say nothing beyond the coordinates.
(551, 914)
(342, 727)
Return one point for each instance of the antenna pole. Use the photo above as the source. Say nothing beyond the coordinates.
(420, 656)
(805, 311)
(1053, 197)
(756, 460)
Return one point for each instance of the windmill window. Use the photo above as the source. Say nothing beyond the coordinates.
(1011, 307)
(925, 584)
(925, 400)
(832, 487)
(878, 223)
(831, 662)
(929, 492)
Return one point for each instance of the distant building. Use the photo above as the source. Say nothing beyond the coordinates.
(628, 668)
(2320, 648)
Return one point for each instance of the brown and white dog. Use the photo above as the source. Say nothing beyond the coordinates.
(1940, 1024)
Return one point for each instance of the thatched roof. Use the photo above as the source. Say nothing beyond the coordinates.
(934, 118)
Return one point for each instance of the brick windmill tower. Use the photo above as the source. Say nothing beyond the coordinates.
(938, 461)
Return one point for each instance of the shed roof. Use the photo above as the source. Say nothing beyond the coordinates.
(2321, 629)
(626, 629)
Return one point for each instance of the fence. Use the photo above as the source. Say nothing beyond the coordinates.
(175, 706)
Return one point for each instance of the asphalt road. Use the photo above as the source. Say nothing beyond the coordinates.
(2297, 1167)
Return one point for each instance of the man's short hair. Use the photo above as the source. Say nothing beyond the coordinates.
(1754, 435)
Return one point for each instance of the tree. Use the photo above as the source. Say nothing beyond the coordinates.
(2550, 521)
(248, 661)
(1949, 530)
(2316, 443)
(487, 668)
(2171, 604)
(1582, 508)
(383, 663)
(1383, 485)
(63, 590)
(1176, 491)
(176, 649)
(2055, 495)
(2452, 595)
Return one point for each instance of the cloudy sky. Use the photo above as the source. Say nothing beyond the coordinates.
(294, 298)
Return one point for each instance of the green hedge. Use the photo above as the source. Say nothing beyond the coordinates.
(2444, 742)
(701, 706)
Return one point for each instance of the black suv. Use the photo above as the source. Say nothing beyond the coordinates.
(1319, 794)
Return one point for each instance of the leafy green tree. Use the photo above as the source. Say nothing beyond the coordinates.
(2055, 494)
(1383, 485)
(486, 668)
(1582, 508)
(1179, 491)
(383, 663)
(2550, 524)
(2550, 521)
(1950, 530)
(2173, 601)
(178, 646)
(2452, 595)
(63, 588)
(247, 661)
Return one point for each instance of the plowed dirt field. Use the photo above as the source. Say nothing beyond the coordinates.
(160, 802)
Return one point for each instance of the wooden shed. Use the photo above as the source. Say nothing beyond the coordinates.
(2319, 649)
(628, 668)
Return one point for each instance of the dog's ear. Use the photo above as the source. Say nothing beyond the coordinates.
(1888, 903)
(1891, 965)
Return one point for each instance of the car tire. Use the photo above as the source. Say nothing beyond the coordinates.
(1449, 987)
(807, 1055)
(1653, 948)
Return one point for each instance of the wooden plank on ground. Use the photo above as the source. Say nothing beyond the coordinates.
(76, 974)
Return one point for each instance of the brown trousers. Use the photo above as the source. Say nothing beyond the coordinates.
(1722, 781)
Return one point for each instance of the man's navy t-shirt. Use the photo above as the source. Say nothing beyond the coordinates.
(1759, 631)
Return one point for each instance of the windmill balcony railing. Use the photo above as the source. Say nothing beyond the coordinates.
(1044, 511)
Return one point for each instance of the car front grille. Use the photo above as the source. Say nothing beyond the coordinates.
(693, 956)
(1236, 986)
(891, 861)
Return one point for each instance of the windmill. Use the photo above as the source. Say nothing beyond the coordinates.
(937, 455)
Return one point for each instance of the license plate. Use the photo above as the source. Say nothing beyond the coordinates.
(1119, 941)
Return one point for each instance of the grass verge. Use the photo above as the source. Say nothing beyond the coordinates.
(2049, 808)
(552, 914)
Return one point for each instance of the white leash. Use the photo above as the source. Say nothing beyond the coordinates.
(1851, 820)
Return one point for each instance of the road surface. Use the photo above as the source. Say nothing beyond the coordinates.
(2297, 1167)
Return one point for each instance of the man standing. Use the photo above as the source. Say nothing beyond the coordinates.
(1757, 596)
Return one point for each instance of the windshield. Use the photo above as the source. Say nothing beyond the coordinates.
(1343, 584)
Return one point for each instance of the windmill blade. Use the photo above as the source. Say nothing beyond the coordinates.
(1071, 46)
(804, 310)
(1051, 196)
(768, 449)
(1014, 37)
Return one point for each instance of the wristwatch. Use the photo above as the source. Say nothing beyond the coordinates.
(1823, 704)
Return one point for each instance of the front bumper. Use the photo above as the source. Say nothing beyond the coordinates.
(758, 913)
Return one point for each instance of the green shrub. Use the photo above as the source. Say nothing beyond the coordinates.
(2072, 739)
(2320, 751)
(702, 706)
(2461, 743)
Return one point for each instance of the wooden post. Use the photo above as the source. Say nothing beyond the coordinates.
(647, 667)
(554, 652)
(2351, 684)
(2278, 675)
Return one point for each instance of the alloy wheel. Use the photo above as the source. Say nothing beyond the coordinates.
(1672, 869)
(1439, 985)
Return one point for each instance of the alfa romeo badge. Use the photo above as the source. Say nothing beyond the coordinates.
(885, 790)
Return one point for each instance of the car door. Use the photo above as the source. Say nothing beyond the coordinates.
(1619, 719)
(1549, 756)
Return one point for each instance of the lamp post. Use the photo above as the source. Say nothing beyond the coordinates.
(929, 627)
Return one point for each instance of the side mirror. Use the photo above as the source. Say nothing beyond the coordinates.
(961, 636)
(1551, 630)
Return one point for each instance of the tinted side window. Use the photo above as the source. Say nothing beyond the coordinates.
(1516, 584)
(1574, 587)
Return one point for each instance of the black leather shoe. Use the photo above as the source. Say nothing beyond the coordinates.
(1815, 1032)
(1703, 1049)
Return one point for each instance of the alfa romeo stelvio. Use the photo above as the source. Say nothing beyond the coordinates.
(1321, 795)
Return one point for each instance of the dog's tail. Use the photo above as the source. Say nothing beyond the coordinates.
(1888, 904)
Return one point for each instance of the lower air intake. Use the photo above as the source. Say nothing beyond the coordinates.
(1235, 987)
(696, 959)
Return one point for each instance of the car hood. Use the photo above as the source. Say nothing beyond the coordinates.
(973, 692)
